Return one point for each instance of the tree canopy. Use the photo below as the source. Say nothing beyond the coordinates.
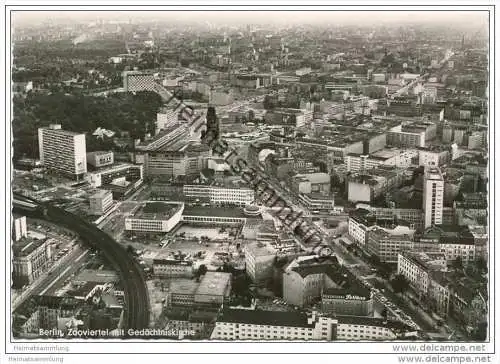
(134, 113)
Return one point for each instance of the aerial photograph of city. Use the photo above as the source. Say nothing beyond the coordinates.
(249, 176)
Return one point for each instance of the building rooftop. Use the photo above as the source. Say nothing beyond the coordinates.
(260, 249)
(26, 246)
(157, 210)
(396, 326)
(65, 302)
(214, 283)
(100, 194)
(261, 317)
(434, 174)
(314, 177)
(98, 276)
(183, 286)
(63, 132)
(214, 211)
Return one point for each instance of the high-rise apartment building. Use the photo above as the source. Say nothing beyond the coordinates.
(62, 151)
(433, 197)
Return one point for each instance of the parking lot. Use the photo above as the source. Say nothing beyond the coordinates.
(211, 254)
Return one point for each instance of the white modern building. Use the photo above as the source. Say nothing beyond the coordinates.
(62, 151)
(251, 324)
(155, 217)
(433, 196)
(240, 196)
(100, 202)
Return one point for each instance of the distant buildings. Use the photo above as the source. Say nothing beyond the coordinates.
(62, 151)
(433, 197)
(134, 81)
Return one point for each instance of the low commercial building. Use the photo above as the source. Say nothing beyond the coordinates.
(170, 268)
(101, 202)
(121, 180)
(354, 300)
(156, 217)
(100, 159)
(213, 290)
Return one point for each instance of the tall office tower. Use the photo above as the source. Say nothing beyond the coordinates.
(213, 129)
(62, 151)
(433, 197)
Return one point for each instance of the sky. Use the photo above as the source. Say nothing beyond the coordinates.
(477, 19)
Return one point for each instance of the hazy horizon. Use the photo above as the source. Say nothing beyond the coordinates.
(374, 17)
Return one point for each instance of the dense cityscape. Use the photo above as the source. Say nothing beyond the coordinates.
(235, 180)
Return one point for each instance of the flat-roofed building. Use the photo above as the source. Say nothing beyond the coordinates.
(155, 217)
(351, 300)
(386, 244)
(235, 324)
(62, 151)
(221, 194)
(30, 259)
(318, 183)
(251, 324)
(213, 291)
(169, 268)
(101, 202)
(100, 158)
(259, 260)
